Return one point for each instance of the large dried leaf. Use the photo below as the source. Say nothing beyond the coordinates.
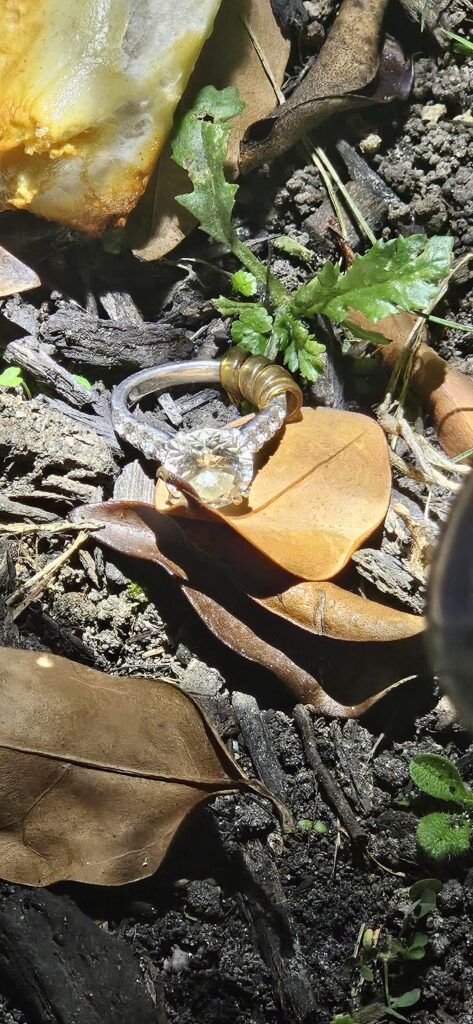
(324, 488)
(445, 392)
(289, 647)
(347, 63)
(228, 58)
(97, 773)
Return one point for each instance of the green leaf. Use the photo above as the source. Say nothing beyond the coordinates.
(249, 340)
(423, 896)
(438, 777)
(406, 999)
(400, 274)
(305, 824)
(199, 145)
(256, 317)
(244, 282)
(460, 43)
(11, 377)
(293, 248)
(230, 307)
(342, 1018)
(443, 835)
(367, 973)
(82, 380)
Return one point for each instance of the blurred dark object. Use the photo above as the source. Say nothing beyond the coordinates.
(450, 612)
(290, 15)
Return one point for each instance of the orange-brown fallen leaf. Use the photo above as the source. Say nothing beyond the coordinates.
(296, 644)
(445, 392)
(98, 773)
(323, 489)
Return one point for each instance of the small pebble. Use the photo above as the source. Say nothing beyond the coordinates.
(370, 144)
(433, 112)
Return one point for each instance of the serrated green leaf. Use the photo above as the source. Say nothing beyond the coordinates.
(256, 317)
(244, 282)
(442, 835)
(403, 273)
(11, 377)
(249, 340)
(293, 248)
(438, 777)
(199, 145)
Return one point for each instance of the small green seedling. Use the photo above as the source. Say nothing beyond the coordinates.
(136, 593)
(307, 825)
(12, 377)
(82, 380)
(443, 834)
(423, 897)
(402, 273)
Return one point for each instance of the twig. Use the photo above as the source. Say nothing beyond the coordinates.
(332, 790)
(23, 529)
(363, 224)
(30, 590)
(258, 743)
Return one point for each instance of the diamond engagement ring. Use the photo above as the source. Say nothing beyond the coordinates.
(217, 462)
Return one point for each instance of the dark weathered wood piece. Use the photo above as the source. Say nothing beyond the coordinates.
(134, 484)
(258, 744)
(390, 576)
(84, 338)
(101, 425)
(63, 969)
(325, 779)
(265, 906)
(32, 355)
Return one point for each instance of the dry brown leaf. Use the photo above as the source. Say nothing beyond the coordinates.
(228, 58)
(292, 649)
(321, 492)
(348, 62)
(98, 773)
(444, 391)
(15, 276)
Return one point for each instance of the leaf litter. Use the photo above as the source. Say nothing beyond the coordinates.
(98, 773)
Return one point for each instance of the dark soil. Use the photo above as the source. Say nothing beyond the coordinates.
(243, 925)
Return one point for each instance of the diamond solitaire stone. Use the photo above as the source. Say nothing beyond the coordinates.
(217, 463)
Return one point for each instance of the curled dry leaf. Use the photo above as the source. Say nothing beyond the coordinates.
(322, 490)
(444, 391)
(239, 597)
(15, 276)
(98, 773)
(230, 57)
(348, 62)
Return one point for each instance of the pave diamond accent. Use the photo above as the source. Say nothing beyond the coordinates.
(217, 463)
